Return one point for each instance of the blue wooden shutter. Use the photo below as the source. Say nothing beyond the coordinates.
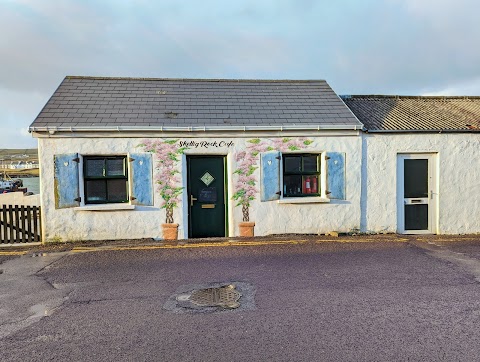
(270, 176)
(336, 175)
(66, 181)
(141, 179)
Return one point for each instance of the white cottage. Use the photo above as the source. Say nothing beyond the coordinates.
(121, 156)
(420, 163)
(129, 158)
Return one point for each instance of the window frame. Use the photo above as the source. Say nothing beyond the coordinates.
(320, 173)
(86, 178)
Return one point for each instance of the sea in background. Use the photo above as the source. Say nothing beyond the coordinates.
(32, 184)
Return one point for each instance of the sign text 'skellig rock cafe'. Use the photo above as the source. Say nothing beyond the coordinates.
(205, 144)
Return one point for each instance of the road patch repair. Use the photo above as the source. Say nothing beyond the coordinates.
(26, 297)
(435, 249)
(212, 297)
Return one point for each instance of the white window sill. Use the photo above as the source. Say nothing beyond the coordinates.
(105, 207)
(304, 200)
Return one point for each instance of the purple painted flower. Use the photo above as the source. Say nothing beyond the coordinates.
(167, 157)
(247, 164)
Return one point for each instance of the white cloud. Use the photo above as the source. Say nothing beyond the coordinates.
(17, 112)
(468, 88)
(244, 52)
(372, 46)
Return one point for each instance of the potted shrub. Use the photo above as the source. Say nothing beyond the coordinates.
(245, 185)
(167, 180)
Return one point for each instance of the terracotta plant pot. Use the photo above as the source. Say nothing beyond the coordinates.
(170, 231)
(246, 229)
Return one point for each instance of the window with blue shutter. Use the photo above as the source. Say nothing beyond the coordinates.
(106, 179)
(336, 175)
(302, 176)
(66, 184)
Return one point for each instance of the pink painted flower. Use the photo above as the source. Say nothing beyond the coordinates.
(167, 156)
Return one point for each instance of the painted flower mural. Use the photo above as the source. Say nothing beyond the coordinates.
(247, 163)
(167, 178)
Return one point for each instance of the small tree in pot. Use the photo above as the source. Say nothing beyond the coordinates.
(167, 179)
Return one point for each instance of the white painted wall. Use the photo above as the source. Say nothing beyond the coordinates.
(458, 176)
(145, 222)
(343, 216)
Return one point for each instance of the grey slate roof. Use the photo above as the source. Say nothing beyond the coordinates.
(416, 113)
(98, 102)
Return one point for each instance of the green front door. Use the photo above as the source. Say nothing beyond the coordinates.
(206, 196)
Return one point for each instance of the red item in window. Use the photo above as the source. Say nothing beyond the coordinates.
(314, 185)
(306, 185)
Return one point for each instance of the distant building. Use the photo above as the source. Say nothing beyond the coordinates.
(19, 165)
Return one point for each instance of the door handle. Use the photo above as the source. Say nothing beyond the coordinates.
(192, 199)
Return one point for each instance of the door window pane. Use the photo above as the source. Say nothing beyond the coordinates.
(415, 178)
(416, 217)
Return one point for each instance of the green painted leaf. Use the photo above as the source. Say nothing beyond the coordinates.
(251, 169)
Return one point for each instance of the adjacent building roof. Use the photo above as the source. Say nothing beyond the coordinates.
(415, 113)
(99, 103)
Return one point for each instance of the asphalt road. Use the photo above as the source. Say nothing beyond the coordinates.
(382, 301)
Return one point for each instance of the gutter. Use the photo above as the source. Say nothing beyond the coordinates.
(52, 130)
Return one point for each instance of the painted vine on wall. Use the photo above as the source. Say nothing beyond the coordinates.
(167, 179)
(247, 163)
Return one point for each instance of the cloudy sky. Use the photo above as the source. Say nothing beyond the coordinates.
(414, 47)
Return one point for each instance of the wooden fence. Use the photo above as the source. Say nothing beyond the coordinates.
(19, 224)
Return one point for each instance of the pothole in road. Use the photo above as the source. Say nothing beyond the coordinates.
(212, 297)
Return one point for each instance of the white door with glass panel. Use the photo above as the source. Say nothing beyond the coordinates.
(416, 194)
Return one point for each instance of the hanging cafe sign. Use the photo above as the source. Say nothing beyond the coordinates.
(205, 144)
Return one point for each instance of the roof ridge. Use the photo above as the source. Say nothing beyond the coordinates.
(199, 79)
